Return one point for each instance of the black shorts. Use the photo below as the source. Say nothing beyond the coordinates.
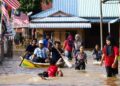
(111, 71)
(80, 65)
(44, 74)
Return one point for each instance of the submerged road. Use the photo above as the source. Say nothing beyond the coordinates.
(13, 75)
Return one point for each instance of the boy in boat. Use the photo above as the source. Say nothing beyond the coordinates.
(41, 54)
(81, 59)
(30, 49)
(56, 52)
(52, 71)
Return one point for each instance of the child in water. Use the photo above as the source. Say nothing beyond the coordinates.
(81, 59)
(52, 71)
(97, 53)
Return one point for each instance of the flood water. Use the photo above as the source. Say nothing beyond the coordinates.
(13, 75)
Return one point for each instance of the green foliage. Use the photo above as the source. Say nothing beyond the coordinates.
(29, 5)
(47, 1)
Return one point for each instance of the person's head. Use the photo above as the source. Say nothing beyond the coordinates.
(96, 46)
(77, 37)
(81, 49)
(57, 44)
(40, 43)
(52, 62)
(34, 42)
(109, 40)
(47, 36)
(70, 37)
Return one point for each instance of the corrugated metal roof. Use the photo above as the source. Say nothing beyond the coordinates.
(67, 6)
(115, 20)
(81, 8)
(44, 13)
(97, 20)
(60, 19)
(91, 8)
(59, 25)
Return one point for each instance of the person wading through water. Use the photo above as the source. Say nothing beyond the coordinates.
(110, 56)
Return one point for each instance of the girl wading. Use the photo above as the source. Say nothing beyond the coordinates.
(110, 55)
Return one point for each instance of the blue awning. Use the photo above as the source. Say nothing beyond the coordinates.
(105, 20)
(115, 21)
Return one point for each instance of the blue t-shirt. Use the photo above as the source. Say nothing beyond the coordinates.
(45, 42)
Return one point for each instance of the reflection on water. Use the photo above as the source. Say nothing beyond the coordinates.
(94, 75)
(112, 81)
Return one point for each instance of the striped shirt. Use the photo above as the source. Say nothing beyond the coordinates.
(41, 53)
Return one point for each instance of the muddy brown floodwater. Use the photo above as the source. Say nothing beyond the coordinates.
(13, 75)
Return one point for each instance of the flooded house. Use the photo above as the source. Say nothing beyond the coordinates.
(77, 16)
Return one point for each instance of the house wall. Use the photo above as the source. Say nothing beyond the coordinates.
(59, 34)
(92, 36)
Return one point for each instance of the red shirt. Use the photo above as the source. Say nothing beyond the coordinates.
(52, 70)
(110, 59)
(66, 46)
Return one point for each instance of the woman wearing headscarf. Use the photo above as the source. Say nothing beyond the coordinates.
(110, 55)
(77, 43)
(68, 46)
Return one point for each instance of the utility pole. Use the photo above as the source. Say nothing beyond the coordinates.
(119, 25)
(101, 24)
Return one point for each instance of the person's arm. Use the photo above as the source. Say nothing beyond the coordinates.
(59, 72)
(73, 46)
(64, 44)
(102, 59)
(33, 56)
(116, 57)
(26, 51)
(61, 51)
(115, 61)
(48, 55)
(34, 53)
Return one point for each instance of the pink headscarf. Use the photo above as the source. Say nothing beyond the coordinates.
(70, 38)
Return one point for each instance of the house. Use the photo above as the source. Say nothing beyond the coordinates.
(76, 16)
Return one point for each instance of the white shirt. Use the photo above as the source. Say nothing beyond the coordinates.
(42, 53)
